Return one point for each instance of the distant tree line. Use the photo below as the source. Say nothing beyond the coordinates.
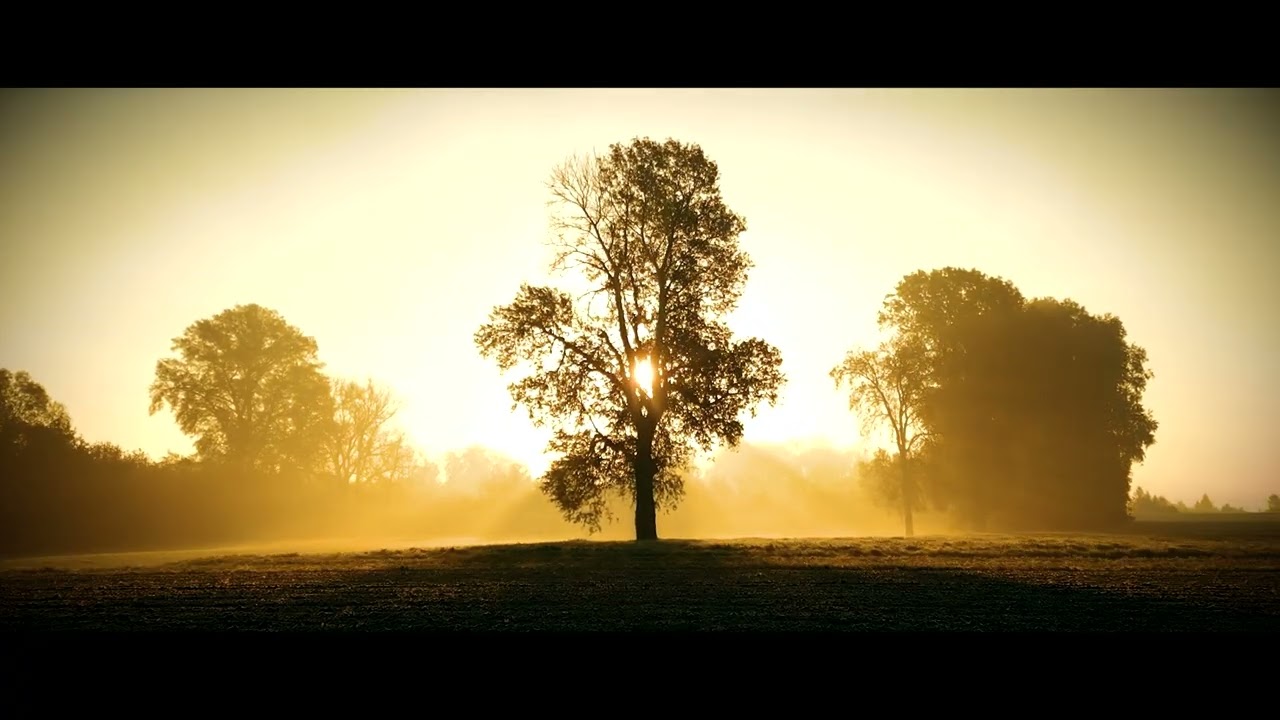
(59, 493)
(281, 451)
(1145, 504)
(62, 494)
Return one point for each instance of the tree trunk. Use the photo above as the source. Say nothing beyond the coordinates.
(646, 512)
(906, 497)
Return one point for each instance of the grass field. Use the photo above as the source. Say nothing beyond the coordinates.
(1176, 576)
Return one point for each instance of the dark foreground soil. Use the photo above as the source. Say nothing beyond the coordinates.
(1160, 579)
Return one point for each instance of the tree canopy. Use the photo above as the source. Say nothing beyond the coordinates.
(36, 435)
(637, 368)
(26, 410)
(1034, 406)
(248, 386)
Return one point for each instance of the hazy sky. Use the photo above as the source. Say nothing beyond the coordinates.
(387, 224)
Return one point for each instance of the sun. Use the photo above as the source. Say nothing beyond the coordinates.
(644, 375)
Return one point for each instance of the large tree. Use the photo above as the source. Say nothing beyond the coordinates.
(636, 367)
(887, 387)
(1035, 406)
(248, 386)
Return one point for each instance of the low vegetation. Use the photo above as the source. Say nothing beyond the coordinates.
(1161, 577)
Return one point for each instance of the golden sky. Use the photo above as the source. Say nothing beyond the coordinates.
(387, 224)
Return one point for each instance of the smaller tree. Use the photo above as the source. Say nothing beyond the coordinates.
(887, 389)
(1145, 503)
(1204, 504)
(1273, 503)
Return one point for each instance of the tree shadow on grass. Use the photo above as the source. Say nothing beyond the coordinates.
(671, 586)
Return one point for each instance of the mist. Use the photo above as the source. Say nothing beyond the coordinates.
(106, 501)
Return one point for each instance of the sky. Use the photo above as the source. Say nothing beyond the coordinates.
(387, 224)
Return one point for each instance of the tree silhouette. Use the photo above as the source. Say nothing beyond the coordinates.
(1035, 406)
(1273, 503)
(248, 386)
(637, 367)
(360, 448)
(37, 441)
(1205, 505)
(929, 312)
(887, 387)
(1144, 503)
(27, 411)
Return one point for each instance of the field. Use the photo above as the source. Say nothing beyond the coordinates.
(1178, 576)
